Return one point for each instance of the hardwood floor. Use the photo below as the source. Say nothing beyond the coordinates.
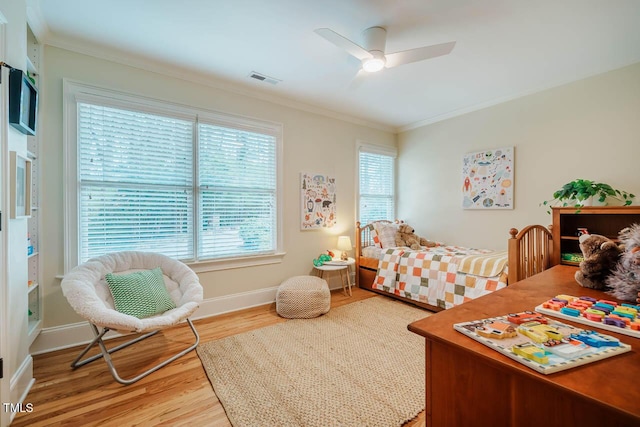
(177, 395)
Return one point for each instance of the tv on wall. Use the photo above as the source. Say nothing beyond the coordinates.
(23, 102)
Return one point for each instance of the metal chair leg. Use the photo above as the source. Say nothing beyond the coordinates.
(106, 353)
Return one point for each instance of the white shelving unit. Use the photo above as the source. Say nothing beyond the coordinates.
(34, 287)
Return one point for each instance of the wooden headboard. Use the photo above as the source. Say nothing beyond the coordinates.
(364, 237)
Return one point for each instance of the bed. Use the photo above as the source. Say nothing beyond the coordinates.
(444, 276)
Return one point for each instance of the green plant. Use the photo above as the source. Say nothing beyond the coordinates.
(576, 192)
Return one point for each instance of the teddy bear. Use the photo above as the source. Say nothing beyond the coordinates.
(600, 257)
(624, 281)
(405, 236)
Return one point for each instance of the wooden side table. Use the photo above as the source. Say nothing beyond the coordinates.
(342, 267)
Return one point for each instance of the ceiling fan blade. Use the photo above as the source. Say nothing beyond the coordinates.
(344, 43)
(418, 54)
(358, 79)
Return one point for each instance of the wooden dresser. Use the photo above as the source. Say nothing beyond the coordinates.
(469, 384)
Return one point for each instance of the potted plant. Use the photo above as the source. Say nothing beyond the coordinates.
(581, 192)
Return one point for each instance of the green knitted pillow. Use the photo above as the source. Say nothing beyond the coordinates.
(140, 294)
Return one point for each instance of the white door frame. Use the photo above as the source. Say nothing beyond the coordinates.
(4, 330)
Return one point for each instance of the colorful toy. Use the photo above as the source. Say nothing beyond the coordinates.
(594, 339)
(570, 311)
(594, 315)
(567, 348)
(545, 347)
(629, 312)
(531, 351)
(602, 313)
(321, 260)
(529, 330)
(497, 330)
(526, 316)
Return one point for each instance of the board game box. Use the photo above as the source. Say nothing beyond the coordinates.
(543, 344)
(602, 314)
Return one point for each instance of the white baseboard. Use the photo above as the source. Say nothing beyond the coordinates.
(20, 383)
(74, 334)
(228, 303)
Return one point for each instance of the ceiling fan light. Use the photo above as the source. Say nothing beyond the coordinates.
(372, 65)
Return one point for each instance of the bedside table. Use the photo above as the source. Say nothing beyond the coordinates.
(342, 267)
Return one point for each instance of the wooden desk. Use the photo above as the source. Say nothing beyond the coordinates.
(469, 384)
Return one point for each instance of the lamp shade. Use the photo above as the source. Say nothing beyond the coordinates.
(344, 243)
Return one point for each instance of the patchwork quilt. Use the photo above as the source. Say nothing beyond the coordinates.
(443, 276)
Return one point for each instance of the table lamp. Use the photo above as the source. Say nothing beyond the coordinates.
(344, 245)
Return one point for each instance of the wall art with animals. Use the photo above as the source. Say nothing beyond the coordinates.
(487, 179)
(318, 197)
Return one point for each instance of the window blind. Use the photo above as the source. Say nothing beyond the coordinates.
(135, 174)
(237, 184)
(376, 183)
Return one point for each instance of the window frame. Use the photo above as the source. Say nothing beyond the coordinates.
(75, 92)
(361, 147)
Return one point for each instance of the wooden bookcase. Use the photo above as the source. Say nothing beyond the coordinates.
(604, 220)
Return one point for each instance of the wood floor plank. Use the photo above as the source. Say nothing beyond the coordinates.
(177, 395)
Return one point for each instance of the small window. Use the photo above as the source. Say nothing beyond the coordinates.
(376, 176)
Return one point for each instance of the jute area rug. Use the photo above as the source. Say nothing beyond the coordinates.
(357, 365)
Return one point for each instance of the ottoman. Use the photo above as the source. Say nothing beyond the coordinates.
(303, 297)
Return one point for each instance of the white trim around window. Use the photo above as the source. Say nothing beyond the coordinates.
(75, 93)
(387, 183)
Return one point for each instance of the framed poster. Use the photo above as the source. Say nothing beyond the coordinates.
(318, 201)
(487, 179)
(20, 186)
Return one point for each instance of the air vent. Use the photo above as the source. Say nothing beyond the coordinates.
(264, 78)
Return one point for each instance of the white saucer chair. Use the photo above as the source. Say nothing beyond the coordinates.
(86, 289)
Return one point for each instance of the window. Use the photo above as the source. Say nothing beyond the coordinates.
(194, 185)
(376, 176)
(136, 182)
(237, 192)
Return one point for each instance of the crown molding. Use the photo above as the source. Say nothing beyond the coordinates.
(501, 100)
(192, 76)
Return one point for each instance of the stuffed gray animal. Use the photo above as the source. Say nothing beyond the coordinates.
(624, 280)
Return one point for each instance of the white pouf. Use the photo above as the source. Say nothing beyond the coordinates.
(303, 297)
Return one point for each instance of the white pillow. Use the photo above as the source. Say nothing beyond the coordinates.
(386, 235)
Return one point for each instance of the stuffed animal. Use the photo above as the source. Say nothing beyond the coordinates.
(322, 258)
(600, 257)
(405, 236)
(624, 281)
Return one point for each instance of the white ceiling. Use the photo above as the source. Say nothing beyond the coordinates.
(505, 48)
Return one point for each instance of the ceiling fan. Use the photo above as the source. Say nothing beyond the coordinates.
(372, 54)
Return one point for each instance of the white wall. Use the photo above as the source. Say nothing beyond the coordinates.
(312, 143)
(587, 129)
